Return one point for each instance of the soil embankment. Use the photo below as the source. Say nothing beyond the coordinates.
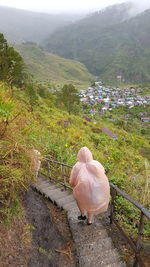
(51, 239)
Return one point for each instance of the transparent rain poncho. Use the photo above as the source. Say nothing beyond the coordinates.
(35, 157)
(90, 184)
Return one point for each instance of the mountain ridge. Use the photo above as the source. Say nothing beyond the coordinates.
(20, 25)
(107, 49)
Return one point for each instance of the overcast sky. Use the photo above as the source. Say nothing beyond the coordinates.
(66, 5)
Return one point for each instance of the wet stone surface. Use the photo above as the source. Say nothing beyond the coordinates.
(93, 245)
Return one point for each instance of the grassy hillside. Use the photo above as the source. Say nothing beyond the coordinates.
(33, 118)
(44, 128)
(109, 43)
(47, 67)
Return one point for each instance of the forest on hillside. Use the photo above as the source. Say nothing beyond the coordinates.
(110, 43)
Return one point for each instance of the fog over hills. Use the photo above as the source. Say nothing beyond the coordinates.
(22, 26)
(140, 6)
(110, 43)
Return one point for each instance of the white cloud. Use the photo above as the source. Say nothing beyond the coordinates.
(67, 5)
(59, 5)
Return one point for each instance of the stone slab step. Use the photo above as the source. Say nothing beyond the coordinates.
(53, 187)
(55, 194)
(83, 233)
(47, 184)
(44, 182)
(97, 245)
(70, 207)
(45, 187)
(40, 179)
(65, 200)
(103, 258)
(38, 185)
(93, 246)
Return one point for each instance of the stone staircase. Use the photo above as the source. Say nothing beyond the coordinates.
(93, 245)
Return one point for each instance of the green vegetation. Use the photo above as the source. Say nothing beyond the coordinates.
(31, 118)
(11, 64)
(130, 120)
(69, 98)
(145, 90)
(57, 135)
(109, 43)
(46, 67)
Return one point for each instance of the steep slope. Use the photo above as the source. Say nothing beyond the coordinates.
(31, 120)
(130, 55)
(21, 26)
(109, 43)
(48, 67)
(58, 135)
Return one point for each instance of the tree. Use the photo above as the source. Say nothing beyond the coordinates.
(31, 92)
(11, 64)
(68, 98)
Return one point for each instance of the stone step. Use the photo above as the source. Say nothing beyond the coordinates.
(83, 233)
(93, 246)
(97, 245)
(103, 258)
(42, 181)
(41, 185)
(53, 187)
(55, 194)
(117, 264)
(45, 187)
(46, 183)
(65, 200)
(70, 207)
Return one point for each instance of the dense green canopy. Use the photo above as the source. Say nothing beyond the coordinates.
(11, 64)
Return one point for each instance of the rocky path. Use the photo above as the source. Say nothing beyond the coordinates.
(93, 245)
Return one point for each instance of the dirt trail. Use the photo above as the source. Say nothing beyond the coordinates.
(51, 239)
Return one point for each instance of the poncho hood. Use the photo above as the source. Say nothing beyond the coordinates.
(84, 155)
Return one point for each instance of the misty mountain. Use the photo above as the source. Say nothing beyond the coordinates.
(22, 26)
(110, 43)
(86, 30)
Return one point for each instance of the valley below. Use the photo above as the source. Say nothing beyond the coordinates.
(68, 81)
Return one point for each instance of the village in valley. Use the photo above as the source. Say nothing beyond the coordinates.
(111, 97)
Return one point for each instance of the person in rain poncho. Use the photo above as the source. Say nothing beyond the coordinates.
(35, 157)
(90, 185)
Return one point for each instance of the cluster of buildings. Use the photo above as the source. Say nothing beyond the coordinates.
(111, 97)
